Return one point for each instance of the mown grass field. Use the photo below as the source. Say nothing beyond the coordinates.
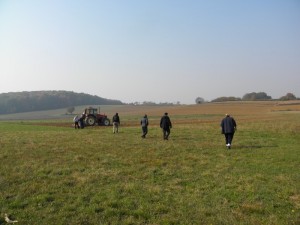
(51, 173)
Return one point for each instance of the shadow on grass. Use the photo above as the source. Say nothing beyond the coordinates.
(255, 146)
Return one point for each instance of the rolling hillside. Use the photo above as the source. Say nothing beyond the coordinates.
(18, 102)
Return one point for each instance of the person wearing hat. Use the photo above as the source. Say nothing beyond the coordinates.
(166, 125)
(144, 124)
(116, 123)
(228, 126)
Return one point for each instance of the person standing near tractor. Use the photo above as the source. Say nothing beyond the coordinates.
(81, 121)
(144, 124)
(228, 126)
(75, 120)
(166, 125)
(116, 123)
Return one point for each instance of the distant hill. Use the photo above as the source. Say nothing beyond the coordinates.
(16, 102)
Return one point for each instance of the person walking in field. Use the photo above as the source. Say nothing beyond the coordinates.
(228, 126)
(144, 124)
(166, 125)
(116, 123)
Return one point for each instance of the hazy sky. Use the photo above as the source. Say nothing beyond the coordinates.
(151, 50)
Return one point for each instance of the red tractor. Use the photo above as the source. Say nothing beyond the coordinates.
(92, 117)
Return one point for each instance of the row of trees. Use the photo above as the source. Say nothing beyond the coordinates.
(15, 102)
(253, 96)
(149, 103)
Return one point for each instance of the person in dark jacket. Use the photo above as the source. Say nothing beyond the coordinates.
(81, 121)
(116, 123)
(166, 125)
(144, 124)
(228, 126)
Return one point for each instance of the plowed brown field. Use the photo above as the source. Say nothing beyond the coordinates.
(199, 114)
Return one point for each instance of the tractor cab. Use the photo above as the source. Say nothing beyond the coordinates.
(91, 111)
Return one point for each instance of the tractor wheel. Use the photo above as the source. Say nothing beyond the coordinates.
(106, 122)
(90, 120)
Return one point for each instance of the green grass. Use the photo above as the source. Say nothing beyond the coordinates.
(58, 175)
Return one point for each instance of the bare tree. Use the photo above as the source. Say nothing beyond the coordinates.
(199, 100)
(70, 109)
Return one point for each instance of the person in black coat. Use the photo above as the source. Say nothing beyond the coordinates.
(166, 125)
(81, 121)
(144, 124)
(116, 123)
(228, 126)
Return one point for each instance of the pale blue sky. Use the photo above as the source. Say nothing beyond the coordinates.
(155, 50)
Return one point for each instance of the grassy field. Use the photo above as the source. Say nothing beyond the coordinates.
(51, 173)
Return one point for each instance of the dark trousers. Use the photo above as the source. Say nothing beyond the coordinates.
(76, 125)
(229, 138)
(166, 133)
(81, 124)
(145, 131)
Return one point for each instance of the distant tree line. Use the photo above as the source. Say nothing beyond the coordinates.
(226, 99)
(253, 96)
(288, 96)
(149, 103)
(15, 102)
